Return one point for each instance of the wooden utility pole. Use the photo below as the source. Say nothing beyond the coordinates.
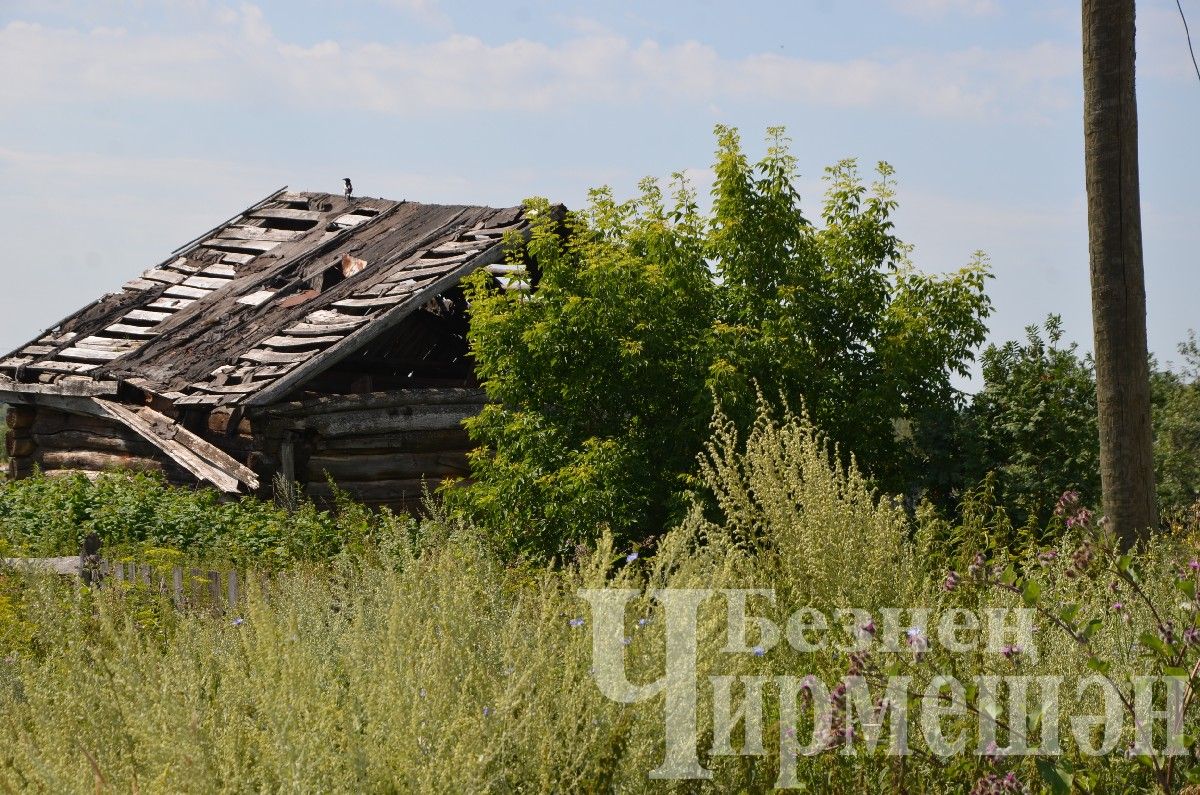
(1118, 282)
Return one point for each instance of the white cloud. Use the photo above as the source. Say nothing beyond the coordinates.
(238, 57)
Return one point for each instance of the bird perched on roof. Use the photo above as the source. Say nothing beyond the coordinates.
(349, 187)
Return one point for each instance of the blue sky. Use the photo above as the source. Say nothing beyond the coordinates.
(127, 128)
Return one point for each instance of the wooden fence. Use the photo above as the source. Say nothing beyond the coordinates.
(188, 587)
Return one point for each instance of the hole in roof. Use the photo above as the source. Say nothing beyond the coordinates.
(291, 224)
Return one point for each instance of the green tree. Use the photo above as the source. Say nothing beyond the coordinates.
(1034, 423)
(603, 377)
(597, 377)
(1177, 430)
(837, 316)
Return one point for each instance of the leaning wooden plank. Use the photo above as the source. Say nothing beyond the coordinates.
(16, 361)
(157, 436)
(37, 350)
(210, 453)
(234, 258)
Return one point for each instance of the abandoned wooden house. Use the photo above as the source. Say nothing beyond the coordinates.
(311, 336)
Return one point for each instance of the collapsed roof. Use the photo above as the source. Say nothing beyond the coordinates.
(253, 310)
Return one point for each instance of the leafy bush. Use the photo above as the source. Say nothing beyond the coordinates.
(1034, 423)
(1177, 431)
(44, 517)
(603, 375)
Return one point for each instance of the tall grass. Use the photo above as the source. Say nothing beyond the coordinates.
(425, 663)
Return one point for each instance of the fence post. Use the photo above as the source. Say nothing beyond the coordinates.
(89, 560)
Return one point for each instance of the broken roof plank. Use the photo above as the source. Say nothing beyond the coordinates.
(275, 357)
(193, 454)
(319, 329)
(360, 303)
(172, 304)
(289, 341)
(206, 282)
(150, 317)
(74, 388)
(378, 326)
(287, 214)
(241, 246)
(180, 291)
(258, 233)
(133, 331)
(90, 354)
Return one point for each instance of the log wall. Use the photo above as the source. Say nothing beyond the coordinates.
(381, 448)
(60, 444)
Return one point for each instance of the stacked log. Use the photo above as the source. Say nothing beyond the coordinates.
(18, 442)
(383, 449)
(62, 444)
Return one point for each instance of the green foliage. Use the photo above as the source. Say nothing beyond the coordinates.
(1034, 424)
(603, 376)
(1176, 397)
(598, 376)
(836, 316)
(435, 665)
(45, 517)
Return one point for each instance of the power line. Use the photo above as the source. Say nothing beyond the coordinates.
(1188, 33)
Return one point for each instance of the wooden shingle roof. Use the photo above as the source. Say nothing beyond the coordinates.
(254, 308)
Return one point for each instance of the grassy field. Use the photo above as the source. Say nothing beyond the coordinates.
(417, 659)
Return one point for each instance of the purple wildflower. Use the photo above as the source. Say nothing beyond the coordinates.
(916, 639)
(237, 622)
(758, 651)
(951, 581)
(576, 622)
(631, 557)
